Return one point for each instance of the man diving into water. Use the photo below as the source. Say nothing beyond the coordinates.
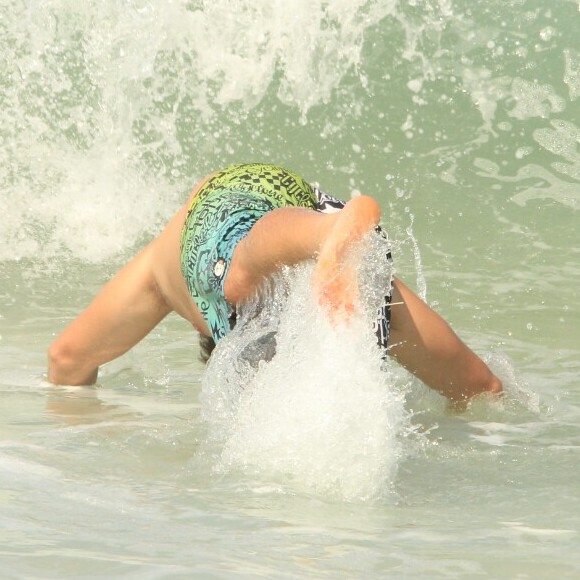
(238, 227)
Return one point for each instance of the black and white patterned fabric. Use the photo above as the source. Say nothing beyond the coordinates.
(382, 324)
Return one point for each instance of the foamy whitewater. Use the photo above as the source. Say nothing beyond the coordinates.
(290, 396)
(298, 452)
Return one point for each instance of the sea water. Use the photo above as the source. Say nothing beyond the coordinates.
(320, 461)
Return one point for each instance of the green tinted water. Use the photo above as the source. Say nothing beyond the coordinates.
(460, 118)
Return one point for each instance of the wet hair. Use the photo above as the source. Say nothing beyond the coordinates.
(207, 343)
(206, 346)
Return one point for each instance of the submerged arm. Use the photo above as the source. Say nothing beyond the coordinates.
(425, 345)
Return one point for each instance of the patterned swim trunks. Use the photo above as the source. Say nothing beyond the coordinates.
(223, 212)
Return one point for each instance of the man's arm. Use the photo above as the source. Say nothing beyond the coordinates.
(426, 345)
(420, 339)
(126, 310)
(289, 235)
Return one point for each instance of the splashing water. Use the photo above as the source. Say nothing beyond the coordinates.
(110, 112)
(106, 131)
(323, 413)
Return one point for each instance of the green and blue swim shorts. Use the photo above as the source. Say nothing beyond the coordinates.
(223, 212)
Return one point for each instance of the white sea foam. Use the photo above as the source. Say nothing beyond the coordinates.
(534, 100)
(107, 105)
(113, 111)
(572, 72)
(324, 413)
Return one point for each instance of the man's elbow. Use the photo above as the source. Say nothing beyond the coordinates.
(66, 367)
(495, 386)
(368, 207)
(491, 385)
